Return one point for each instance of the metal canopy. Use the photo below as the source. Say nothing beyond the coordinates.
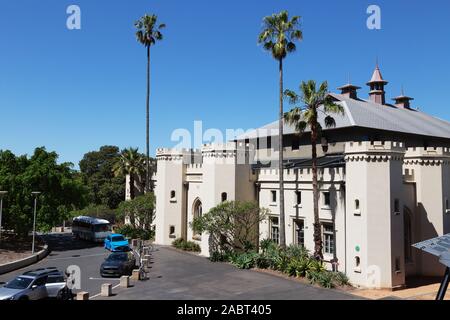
(439, 247)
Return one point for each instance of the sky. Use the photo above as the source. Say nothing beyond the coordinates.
(73, 91)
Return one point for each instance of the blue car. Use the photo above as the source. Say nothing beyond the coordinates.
(116, 242)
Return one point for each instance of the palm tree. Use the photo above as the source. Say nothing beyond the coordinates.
(307, 116)
(131, 163)
(278, 36)
(147, 34)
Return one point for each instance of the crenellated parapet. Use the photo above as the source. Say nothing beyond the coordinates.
(172, 154)
(219, 150)
(374, 151)
(427, 155)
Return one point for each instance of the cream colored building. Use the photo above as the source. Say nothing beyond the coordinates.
(384, 176)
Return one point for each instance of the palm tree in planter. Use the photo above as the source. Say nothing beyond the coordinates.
(278, 36)
(313, 102)
(147, 33)
(130, 163)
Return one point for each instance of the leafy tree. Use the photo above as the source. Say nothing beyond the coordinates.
(61, 190)
(97, 211)
(140, 209)
(314, 101)
(129, 163)
(105, 188)
(232, 225)
(278, 36)
(147, 33)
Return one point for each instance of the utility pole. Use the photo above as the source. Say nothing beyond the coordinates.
(2, 194)
(35, 194)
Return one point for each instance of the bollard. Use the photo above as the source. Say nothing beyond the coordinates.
(124, 281)
(83, 295)
(106, 290)
(135, 275)
(145, 263)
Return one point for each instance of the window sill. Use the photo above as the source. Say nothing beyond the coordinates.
(328, 208)
(447, 211)
(357, 213)
(357, 270)
(398, 272)
(396, 213)
(173, 200)
(273, 204)
(172, 236)
(299, 206)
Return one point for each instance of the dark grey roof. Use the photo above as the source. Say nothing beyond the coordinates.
(366, 114)
(327, 161)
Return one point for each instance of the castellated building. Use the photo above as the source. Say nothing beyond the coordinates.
(384, 180)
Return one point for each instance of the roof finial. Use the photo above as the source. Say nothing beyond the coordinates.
(403, 91)
(376, 62)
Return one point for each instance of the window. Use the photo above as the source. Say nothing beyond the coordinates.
(274, 230)
(172, 231)
(397, 265)
(396, 206)
(197, 212)
(295, 143)
(357, 262)
(328, 238)
(299, 232)
(224, 196)
(356, 204)
(326, 199)
(447, 209)
(298, 197)
(172, 196)
(274, 196)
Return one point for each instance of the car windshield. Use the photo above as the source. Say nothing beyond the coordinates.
(19, 283)
(118, 257)
(117, 238)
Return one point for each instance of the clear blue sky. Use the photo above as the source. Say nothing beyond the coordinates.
(73, 91)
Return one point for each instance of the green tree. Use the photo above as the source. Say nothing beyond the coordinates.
(142, 208)
(231, 225)
(96, 170)
(147, 33)
(129, 163)
(278, 36)
(313, 102)
(61, 190)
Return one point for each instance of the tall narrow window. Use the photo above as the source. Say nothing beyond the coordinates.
(224, 196)
(172, 194)
(274, 230)
(356, 204)
(299, 232)
(326, 199)
(396, 206)
(298, 197)
(407, 228)
(295, 143)
(274, 196)
(328, 238)
(197, 213)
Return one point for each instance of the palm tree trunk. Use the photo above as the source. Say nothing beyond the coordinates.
(317, 228)
(131, 214)
(280, 161)
(147, 151)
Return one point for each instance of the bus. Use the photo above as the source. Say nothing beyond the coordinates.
(91, 229)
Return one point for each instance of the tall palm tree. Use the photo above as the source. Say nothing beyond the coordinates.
(278, 36)
(147, 33)
(130, 162)
(313, 102)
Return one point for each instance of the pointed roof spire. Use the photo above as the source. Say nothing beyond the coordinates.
(376, 76)
(402, 100)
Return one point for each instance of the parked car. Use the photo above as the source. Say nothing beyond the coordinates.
(35, 285)
(116, 242)
(118, 264)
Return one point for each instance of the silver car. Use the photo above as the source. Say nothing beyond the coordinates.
(35, 285)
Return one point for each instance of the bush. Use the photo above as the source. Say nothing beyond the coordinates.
(299, 267)
(340, 279)
(186, 245)
(221, 256)
(324, 278)
(245, 260)
(134, 233)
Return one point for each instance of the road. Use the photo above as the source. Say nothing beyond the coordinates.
(66, 251)
(176, 275)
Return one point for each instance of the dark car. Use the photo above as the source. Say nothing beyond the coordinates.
(118, 264)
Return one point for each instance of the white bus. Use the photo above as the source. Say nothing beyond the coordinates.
(92, 229)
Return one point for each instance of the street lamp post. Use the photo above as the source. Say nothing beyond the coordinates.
(35, 194)
(2, 194)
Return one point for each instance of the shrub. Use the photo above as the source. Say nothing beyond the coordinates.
(340, 279)
(299, 267)
(267, 244)
(221, 256)
(322, 278)
(245, 260)
(186, 245)
(295, 251)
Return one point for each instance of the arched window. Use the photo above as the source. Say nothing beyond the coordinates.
(407, 227)
(172, 194)
(197, 213)
(356, 204)
(224, 196)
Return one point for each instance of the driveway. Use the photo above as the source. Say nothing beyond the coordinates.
(176, 275)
